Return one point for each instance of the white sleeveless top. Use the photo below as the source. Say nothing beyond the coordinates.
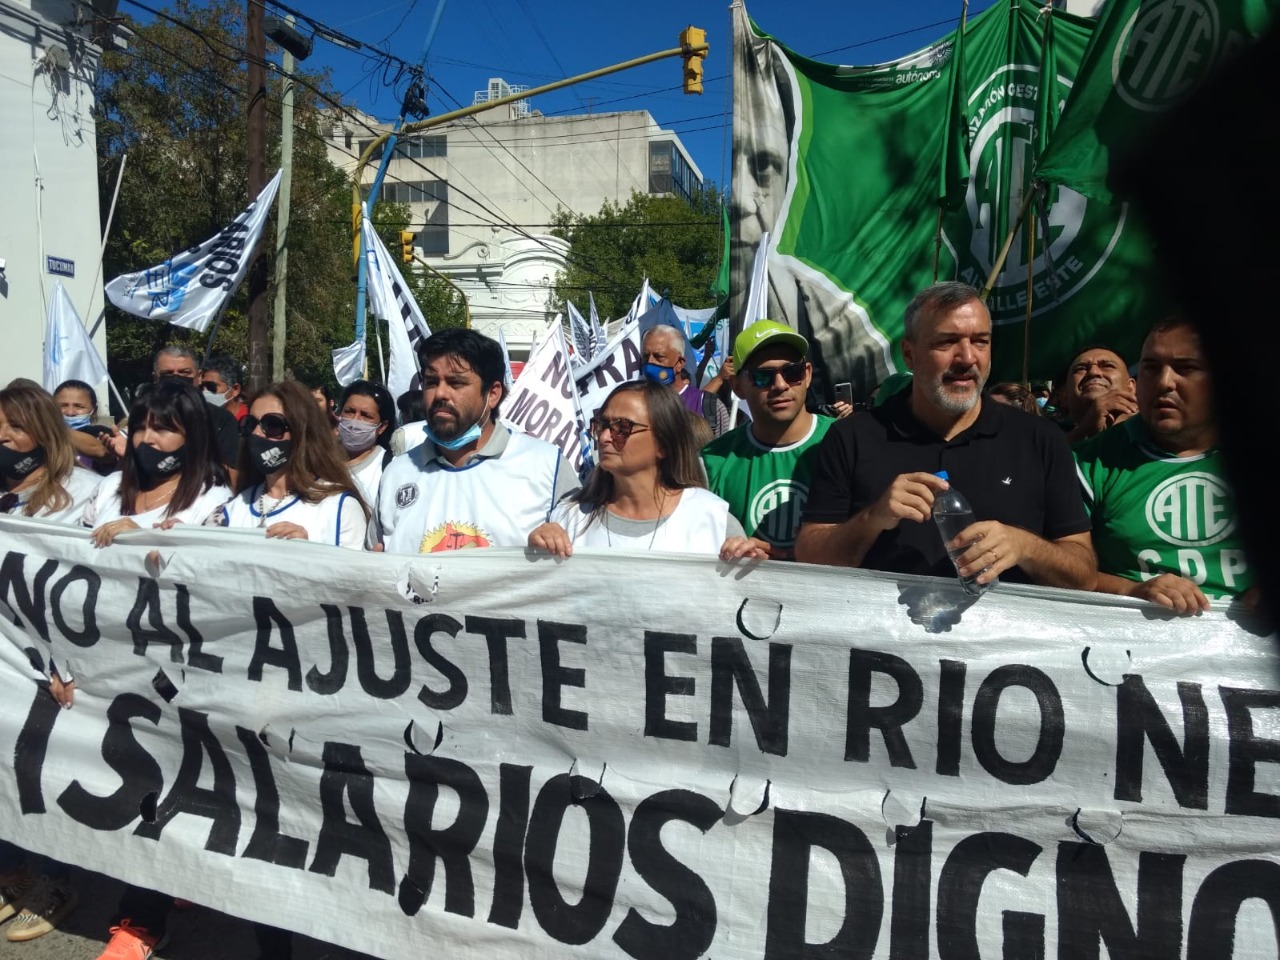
(699, 524)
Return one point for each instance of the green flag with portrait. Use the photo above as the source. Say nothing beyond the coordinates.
(846, 167)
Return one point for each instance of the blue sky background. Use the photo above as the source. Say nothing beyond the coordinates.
(536, 41)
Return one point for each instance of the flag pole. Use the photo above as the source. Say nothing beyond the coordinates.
(111, 214)
(937, 245)
(942, 202)
(1026, 326)
(996, 267)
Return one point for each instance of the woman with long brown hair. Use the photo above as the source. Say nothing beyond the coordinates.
(648, 491)
(294, 481)
(38, 472)
(170, 471)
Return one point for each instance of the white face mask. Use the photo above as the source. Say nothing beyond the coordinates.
(356, 435)
(215, 399)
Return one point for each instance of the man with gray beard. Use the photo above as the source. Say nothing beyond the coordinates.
(875, 479)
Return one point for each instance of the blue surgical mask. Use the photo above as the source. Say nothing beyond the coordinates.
(659, 374)
(78, 422)
(470, 435)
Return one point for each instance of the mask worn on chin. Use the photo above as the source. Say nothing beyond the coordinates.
(269, 455)
(16, 467)
(156, 464)
(470, 435)
(215, 399)
(356, 436)
(78, 422)
(659, 374)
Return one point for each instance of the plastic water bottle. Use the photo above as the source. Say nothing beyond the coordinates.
(953, 515)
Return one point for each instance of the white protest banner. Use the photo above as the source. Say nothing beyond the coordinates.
(69, 353)
(390, 299)
(507, 756)
(191, 288)
(541, 401)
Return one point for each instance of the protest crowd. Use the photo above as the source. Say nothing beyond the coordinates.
(1092, 491)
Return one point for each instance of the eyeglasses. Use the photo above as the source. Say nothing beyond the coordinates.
(274, 426)
(620, 428)
(792, 373)
(210, 386)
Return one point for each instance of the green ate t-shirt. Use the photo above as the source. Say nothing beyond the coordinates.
(1155, 513)
(766, 487)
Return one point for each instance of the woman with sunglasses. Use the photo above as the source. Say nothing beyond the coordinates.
(366, 419)
(294, 483)
(647, 492)
(170, 466)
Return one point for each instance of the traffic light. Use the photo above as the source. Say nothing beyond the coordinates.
(693, 41)
(406, 245)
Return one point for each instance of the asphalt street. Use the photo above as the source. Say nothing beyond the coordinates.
(195, 932)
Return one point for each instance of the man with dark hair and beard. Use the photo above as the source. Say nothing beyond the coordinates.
(876, 477)
(473, 482)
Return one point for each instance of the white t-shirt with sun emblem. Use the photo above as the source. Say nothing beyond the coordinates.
(494, 500)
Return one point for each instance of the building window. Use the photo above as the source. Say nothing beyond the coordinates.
(434, 237)
(669, 172)
(364, 145)
(416, 147)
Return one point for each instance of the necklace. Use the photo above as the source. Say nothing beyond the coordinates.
(150, 499)
(262, 505)
(657, 523)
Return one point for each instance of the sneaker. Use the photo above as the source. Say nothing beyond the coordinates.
(132, 943)
(48, 903)
(13, 893)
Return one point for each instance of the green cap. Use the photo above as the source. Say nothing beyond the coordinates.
(765, 333)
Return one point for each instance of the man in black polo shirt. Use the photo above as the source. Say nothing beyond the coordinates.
(873, 488)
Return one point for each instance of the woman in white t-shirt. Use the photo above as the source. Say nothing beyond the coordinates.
(366, 419)
(38, 472)
(170, 471)
(648, 491)
(294, 482)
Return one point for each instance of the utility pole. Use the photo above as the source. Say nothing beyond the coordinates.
(282, 218)
(257, 121)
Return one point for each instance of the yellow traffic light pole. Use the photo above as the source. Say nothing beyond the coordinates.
(693, 48)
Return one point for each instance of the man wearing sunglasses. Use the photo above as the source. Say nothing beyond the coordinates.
(473, 482)
(762, 468)
(875, 478)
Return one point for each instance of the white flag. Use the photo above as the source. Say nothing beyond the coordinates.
(507, 378)
(348, 363)
(191, 288)
(758, 294)
(68, 352)
(598, 339)
(641, 304)
(581, 330)
(390, 299)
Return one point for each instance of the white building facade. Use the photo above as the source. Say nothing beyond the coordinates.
(483, 192)
(49, 209)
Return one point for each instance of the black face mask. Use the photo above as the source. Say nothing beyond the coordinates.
(268, 455)
(155, 465)
(16, 467)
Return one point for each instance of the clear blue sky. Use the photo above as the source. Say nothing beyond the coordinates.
(536, 41)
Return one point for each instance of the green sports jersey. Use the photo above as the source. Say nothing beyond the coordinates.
(766, 487)
(1154, 513)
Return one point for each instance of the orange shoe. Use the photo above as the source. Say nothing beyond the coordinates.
(132, 943)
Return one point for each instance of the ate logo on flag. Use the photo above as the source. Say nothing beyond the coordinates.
(1002, 112)
(1164, 51)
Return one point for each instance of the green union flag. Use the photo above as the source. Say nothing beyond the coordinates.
(847, 168)
(1144, 57)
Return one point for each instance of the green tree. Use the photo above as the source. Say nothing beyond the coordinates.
(175, 103)
(673, 242)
